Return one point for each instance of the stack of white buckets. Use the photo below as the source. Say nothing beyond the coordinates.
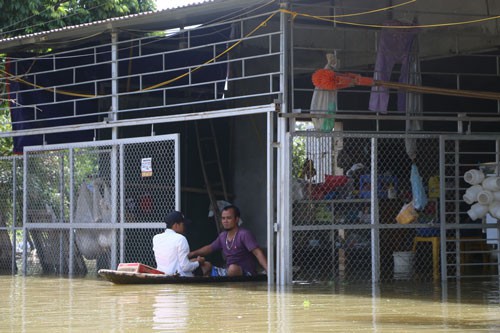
(483, 195)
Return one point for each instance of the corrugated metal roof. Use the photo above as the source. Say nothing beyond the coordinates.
(187, 14)
(187, 4)
(100, 22)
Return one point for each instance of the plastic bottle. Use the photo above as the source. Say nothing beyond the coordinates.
(434, 187)
(391, 192)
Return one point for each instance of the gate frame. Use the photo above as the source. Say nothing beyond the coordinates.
(114, 225)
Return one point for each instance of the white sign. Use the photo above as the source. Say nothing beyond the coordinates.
(146, 168)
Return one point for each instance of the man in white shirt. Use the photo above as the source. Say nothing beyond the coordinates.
(171, 249)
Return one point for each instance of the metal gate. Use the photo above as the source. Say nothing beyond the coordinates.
(343, 228)
(468, 206)
(91, 205)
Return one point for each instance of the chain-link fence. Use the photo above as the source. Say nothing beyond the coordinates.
(344, 228)
(91, 205)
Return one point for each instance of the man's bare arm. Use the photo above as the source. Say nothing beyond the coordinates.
(201, 252)
(261, 258)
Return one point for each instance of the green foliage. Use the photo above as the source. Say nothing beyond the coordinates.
(22, 17)
(6, 144)
(298, 151)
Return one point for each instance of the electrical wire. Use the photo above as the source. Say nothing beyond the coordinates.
(370, 11)
(53, 90)
(365, 25)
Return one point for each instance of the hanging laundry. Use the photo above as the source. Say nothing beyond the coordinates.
(394, 47)
(325, 101)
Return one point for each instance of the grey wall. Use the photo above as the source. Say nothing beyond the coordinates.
(250, 173)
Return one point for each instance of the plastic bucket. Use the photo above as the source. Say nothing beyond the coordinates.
(403, 264)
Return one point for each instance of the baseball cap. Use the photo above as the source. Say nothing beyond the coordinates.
(175, 217)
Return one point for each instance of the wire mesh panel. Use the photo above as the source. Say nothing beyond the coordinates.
(94, 192)
(329, 239)
(52, 253)
(148, 194)
(10, 213)
(91, 205)
(345, 228)
(401, 256)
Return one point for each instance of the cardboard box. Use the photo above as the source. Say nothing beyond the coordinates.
(135, 267)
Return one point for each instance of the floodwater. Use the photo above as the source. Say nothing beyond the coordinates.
(41, 304)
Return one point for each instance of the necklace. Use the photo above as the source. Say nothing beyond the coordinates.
(229, 243)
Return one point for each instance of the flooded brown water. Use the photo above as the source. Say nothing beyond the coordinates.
(37, 304)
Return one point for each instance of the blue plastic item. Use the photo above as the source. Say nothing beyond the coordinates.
(417, 189)
(383, 184)
(427, 232)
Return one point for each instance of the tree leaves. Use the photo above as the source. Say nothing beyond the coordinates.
(22, 17)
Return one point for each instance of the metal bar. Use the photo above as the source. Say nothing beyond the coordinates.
(177, 171)
(99, 143)
(375, 235)
(114, 149)
(283, 270)
(270, 198)
(25, 210)
(145, 121)
(72, 243)
(14, 215)
(442, 207)
(61, 211)
(340, 116)
(114, 226)
(121, 177)
(114, 202)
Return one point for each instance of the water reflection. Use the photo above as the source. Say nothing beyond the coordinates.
(171, 311)
(60, 305)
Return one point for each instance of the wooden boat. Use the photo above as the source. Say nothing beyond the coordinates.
(137, 273)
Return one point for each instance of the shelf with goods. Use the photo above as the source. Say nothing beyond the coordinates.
(330, 212)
